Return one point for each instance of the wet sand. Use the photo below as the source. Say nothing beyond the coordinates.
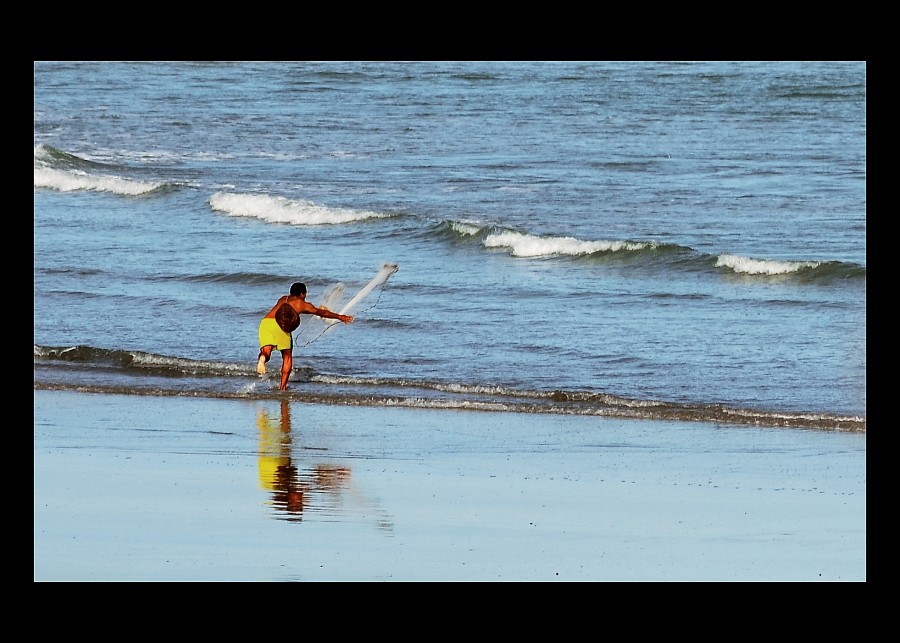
(133, 488)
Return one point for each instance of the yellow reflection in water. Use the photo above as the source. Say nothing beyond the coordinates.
(321, 487)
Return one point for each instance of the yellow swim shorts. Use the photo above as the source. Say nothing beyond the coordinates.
(270, 333)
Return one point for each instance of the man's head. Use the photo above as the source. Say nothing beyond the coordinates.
(298, 289)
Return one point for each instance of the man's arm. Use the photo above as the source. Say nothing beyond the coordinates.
(327, 314)
(324, 312)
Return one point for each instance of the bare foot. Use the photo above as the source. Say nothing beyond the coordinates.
(261, 365)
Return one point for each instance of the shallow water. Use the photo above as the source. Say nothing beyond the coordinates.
(654, 240)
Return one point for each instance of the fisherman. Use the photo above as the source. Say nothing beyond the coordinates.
(276, 327)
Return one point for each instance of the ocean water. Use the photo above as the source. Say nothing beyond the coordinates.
(627, 239)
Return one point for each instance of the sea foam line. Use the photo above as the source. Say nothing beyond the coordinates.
(750, 266)
(283, 210)
(70, 181)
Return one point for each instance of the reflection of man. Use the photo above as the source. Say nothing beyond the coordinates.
(276, 472)
(291, 490)
(323, 487)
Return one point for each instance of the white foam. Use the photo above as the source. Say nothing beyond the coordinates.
(529, 245)
(282, 210)
(464, 227)
(69, 181)
(750, 266)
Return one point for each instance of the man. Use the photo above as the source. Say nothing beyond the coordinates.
(276, 327)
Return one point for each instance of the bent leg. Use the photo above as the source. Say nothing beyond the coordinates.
(265, 353)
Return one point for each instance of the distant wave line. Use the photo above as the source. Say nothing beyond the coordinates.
(61, 171)
(526, 245)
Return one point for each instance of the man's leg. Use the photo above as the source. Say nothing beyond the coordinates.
(265, 353)
(287, 363)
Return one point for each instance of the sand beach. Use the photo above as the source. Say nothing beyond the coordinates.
(188, 489)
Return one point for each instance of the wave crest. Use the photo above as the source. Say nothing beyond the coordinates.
(282, 210)
(750, 266)
(528, 245)
(64, 172)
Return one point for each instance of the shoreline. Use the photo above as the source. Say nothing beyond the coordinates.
(658, 411)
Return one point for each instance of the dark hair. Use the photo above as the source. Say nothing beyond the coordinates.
(298, 289)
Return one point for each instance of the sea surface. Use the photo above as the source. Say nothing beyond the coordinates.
(681, 241)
